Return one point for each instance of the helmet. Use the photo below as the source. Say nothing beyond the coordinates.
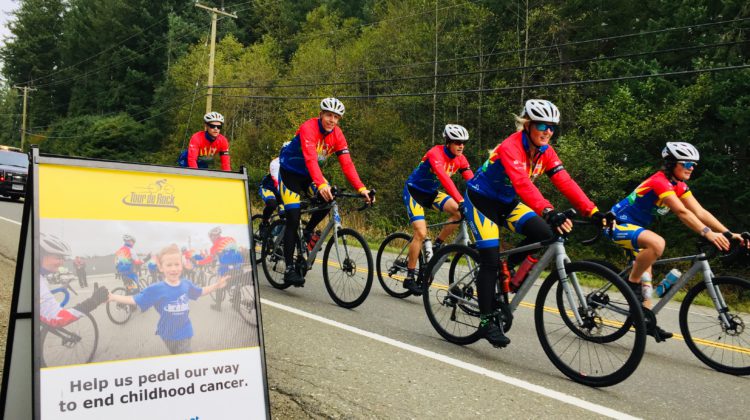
(455, 132)
(541, 110)
(332, 105)
(214, 232)
(126, 238)
(51, 244)
(213, 117)
(679, 150)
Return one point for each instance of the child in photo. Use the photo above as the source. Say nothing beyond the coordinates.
(170, 298)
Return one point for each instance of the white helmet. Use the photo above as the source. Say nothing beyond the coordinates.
(214, 232)
(455, 132)
(51, 244)
(679, 150)
(541, 110)
(213, 117)
(126, 238)
(332, 105)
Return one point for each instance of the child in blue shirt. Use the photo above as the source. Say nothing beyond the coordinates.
(170, 298)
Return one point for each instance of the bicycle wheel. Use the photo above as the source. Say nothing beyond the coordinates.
(256, 221)
(217, 292)
(724, 348)
(72, 344)
(119, 313)
(391, 264)
(577, 349)
(449, 294)
(347, 271)
(243, 300)
(272, 255)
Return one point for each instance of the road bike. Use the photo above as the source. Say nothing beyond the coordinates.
(239, 291)
(347, 260)
(574, 318)
(391, 258)
(713, 312)
(120, 313)
(71, 344)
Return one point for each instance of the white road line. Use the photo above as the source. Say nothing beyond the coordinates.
(9, 220)
(568, 399)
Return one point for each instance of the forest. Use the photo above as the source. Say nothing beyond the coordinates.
(127, 80)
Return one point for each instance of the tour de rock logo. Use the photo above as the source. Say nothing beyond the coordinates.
(159, 194)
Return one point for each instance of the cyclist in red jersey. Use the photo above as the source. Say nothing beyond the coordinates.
(204, 145)
(315, 140)
(421, 190)
(502, 193)
(664, 191)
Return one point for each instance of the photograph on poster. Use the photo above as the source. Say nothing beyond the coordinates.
(115, 290)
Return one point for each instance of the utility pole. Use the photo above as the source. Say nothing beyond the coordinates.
(212, 50)
(26, 90)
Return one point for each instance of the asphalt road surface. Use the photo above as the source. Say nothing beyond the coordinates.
(384, 360)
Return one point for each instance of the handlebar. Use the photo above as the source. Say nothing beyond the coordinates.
(337, 192)
(735, 252)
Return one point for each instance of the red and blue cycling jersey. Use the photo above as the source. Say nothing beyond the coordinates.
(647, 200)
(227, 252)
(510, 173)
(436, 168)
(311, 146)
(126, 259)
(203, 147)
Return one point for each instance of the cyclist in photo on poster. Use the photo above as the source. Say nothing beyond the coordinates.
(170, 298)
(54, 252)
(227, 253)
(128, 263)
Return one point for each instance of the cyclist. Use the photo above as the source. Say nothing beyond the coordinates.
(664, 191)
(204, 145)
(421, 190)
(54, 252)
(502, 193)
(229, 256)
(127, 263)
(269, 192)
(315, 140)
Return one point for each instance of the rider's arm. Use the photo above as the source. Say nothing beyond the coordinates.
(218, 285)
(193, 146)
(224, 154)
(565, 184)
(50, 311)
(437, 162)
(685, 214)
(128, 300)
(513, 159)
(345, 160)
(702, 214)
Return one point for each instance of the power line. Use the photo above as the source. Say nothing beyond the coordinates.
(496, 70)
(503, 89)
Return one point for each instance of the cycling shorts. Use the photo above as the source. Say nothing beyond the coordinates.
(292, 185)
(415, 202)
(484, 215)
(626, 236)
(267, 194)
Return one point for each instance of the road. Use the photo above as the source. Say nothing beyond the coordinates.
(384, 360)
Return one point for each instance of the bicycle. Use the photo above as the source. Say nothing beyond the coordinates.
(71, 344)
(391, 268)
(351, 254)
(572, 316)
(120, 313)
(712, 313)
(240, 291)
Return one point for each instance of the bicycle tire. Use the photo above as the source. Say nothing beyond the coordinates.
(448, 317)
(119, 313)
(272, 257)
(62, 346)
(255, 221)
(577, 353)
(346, 288)
(243, 300)
(702, 330)
(389, 265)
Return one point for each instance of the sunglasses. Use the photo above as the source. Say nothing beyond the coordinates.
(545, 126)
(461, 142)
(687, 164)
(215, 126)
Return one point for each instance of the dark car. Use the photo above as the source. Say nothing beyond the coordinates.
(14, 166)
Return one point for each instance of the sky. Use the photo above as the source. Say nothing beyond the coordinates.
(6, 6)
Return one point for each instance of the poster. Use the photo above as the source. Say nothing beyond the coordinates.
(176, 334)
